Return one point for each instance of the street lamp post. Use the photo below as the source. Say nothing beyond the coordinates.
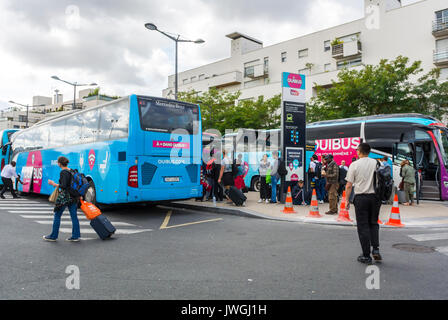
(27, 107)
(176, 39)
(74, 84)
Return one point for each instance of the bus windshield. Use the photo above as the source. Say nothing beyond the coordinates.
(442, 139)
(166, 116)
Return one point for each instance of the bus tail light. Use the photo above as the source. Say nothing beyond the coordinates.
(133, 177)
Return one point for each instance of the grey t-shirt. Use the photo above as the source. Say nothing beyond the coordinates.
(360, 173)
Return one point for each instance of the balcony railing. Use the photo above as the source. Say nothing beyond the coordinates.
(338, 51)
(441, 57)
(440, 27)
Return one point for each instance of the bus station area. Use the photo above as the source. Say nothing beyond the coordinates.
(427, 214)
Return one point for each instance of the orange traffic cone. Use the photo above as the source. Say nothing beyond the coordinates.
(314, 209)
(344, 215)
(394, 219)
(288, 203)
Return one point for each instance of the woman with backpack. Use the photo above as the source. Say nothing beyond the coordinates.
(64, 200)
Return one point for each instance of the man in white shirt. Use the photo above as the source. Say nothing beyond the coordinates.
(7, 173)
(367, 205)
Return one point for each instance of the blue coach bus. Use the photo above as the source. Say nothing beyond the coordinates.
(423, 140)
(134, 149)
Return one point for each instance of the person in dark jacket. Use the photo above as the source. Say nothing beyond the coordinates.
(299, 194)
(64, 200)
(331, 173)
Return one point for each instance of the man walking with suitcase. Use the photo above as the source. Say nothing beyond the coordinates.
(367, 204)
(7, 173)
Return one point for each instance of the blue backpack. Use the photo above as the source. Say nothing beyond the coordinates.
(79, 184)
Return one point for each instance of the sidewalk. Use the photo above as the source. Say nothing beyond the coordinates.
(426, 214)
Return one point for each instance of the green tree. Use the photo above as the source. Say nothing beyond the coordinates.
(381, 89)
(220, 110)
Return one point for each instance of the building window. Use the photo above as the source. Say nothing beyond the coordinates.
(193, 79)
(303, 53)
(304, 71)
(201, 77)
(249, 71)
(442, 16)
(283, 56)
(327, 45)
(22, 118)
(16, 127)
(349, 63)
(444, 74)
(266, 64)
(349, 38)
(327, 67)
(185, 81)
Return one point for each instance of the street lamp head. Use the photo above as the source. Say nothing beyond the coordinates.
(150, 26)
(55, 78)
(199, 41)
(93, 84)
(10, 101)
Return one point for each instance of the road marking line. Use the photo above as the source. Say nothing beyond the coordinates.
(26, 208)
(443, 250)
(190, 223)
(430, 236)
(87, 223)
(166, 220)
(119, 231)
(31, 211)
(49, 217)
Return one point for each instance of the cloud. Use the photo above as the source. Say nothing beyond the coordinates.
(106, 42)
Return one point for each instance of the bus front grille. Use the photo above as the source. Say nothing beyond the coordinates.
(192, 170)
(148, 171)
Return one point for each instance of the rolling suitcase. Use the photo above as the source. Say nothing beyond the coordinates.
(236, 195)
(103, 227)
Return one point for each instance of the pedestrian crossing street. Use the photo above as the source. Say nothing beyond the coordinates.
(42, 213)
(440, 235)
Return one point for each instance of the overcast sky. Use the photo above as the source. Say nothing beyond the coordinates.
(104, 41)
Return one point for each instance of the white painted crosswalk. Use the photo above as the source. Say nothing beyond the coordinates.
(42, 213)
(438, 237)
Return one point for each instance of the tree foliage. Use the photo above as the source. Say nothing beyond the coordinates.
(221, 110)
(388, 87)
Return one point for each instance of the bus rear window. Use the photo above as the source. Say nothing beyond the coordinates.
(166, 116)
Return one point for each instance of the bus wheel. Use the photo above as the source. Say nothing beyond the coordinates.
(256, 184)
(90, 195)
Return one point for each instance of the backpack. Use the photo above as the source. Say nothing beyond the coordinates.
(282, 168)
(342, 175)
(79, 184)
(209, 168)
(318, 170)
(383, 182)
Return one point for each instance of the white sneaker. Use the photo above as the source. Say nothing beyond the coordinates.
(321, 201)
(267, 200)
(260, 201)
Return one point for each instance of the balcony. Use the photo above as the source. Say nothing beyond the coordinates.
(346, 50)
(225, 80)
(441, 57)
(440, 27)
(256, 72)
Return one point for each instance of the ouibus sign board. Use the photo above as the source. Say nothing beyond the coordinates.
(294, 125)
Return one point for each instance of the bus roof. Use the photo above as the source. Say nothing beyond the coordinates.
(400, 117)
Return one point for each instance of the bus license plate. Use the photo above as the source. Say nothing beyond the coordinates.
(172, 179)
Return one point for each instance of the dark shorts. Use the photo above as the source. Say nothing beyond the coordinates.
(227, 179)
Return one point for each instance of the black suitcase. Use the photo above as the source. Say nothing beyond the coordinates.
(236, 195)
(102, 226)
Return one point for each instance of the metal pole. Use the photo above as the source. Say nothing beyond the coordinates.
(27, 106)
(74, 97)
(175, 76)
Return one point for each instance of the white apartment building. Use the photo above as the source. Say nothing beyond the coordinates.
(388, 29)
(16, 118)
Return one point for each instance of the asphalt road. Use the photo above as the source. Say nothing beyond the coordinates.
(159, 253)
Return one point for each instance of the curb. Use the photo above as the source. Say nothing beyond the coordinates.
(241, 212)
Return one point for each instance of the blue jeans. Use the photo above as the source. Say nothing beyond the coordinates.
(320, 188)
(73, 208)
(274, 180)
